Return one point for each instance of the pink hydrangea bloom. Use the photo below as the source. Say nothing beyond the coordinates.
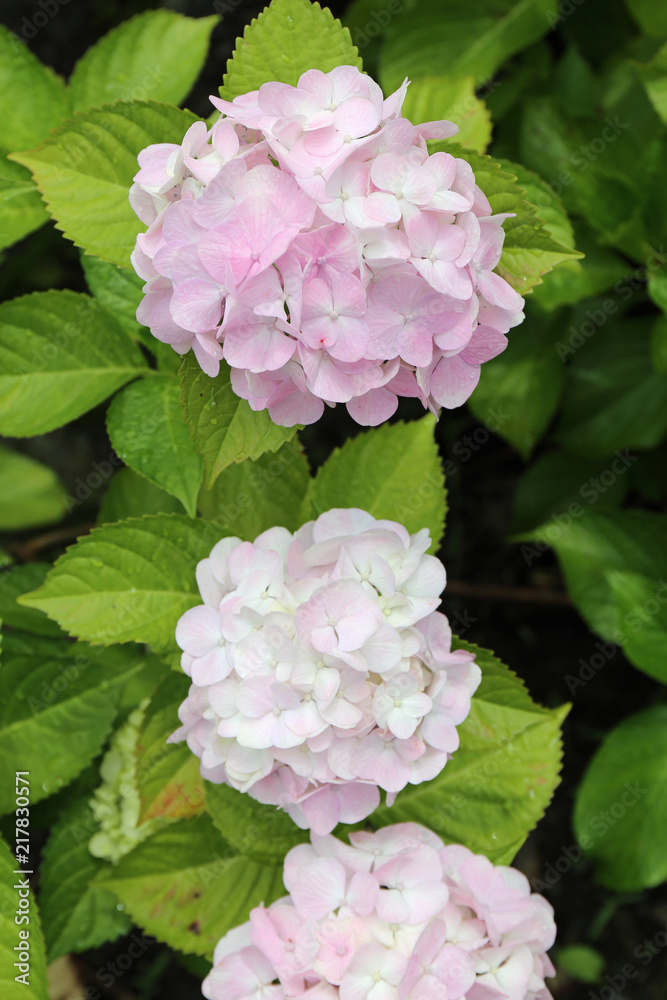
(395, 916)
(321, 671)
(310, 240)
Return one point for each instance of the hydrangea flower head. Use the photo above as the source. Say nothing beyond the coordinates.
(321, 670)
(310, 240)
(395, 916)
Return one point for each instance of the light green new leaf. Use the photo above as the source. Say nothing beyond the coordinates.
(168, 778)
(186, 886)
(21, 209)
(31, 492)
(500, 781)
(393, 472)
(65, 702)
(132, 495)
(76, 913)
(614, 398)
(147, 429)
(60, 355)
(525, 382)
(288, 38)
(259, 832)
(128, 581)
(35, 986)
(251, 497)
(531, 246)
(85, 169)
(222, 425)
(468, 39)
(156, 55)
(433, 98)
(16, 581)
(591, 546)
(621, 807)
(34, 99)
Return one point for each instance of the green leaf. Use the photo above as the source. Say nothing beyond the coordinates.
(128, 581)
(499, 782)
(433, 98)
(251, 497)
(62, 349)
(574, 280)
(657, 285)
(76, 913)
(592, 545)
(34, 98)
(157, 54)
(393, 472)
(85, 170)
(614, 399)
(641, 604)
(523, 243)
(558, 485)
(288, 38)
(32, 493)
(580, 962)
(34, 987)
(367, 20)
(621, 807)
(186, 886)
(147, 429)
(131, 495)
(529, 250)
(34, 101)
(118, 289)
(222, 425)
(469, 39)
(524, 382)
(259, 832)
(19, 580)
(659, 345)
(21, 209)
(168, 778)
(600, 166)
(654, 77)
(651, 17)
(56, 712)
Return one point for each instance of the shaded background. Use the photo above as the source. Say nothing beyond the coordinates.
(521, 611)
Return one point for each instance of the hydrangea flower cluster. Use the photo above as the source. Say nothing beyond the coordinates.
(395, 916)
(321, 669)
(310, 240)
